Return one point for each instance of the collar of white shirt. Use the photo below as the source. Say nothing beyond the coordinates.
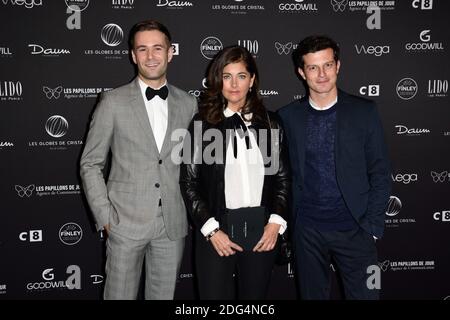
(228, 113)
(314, 106)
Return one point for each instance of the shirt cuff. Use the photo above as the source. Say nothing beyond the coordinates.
(275, 218)
(209, 226)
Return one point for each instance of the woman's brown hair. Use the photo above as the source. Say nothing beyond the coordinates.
(212, 102)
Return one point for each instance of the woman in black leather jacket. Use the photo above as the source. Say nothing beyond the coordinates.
(234, 173)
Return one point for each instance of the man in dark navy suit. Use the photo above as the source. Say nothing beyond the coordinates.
(341, 177)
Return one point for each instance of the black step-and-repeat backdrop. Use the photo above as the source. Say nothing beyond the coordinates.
(57, 56)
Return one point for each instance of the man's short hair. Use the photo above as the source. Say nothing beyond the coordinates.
(313, 44)
(148, 25)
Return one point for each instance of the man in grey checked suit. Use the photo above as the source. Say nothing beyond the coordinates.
(140, 206)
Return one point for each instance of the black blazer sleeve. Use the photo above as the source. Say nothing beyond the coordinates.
(281, 182)
(190, 175)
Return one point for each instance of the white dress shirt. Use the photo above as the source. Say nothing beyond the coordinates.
(157, 114)
(244, 179)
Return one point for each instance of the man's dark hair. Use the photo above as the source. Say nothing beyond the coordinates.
(313, 44)
(148, 25)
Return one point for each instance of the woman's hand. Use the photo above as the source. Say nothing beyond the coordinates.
(223, 245)
(269, 238)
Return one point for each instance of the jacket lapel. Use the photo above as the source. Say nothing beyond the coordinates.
(138, 106)
(174, 105)
(342, 123)
(301, 134)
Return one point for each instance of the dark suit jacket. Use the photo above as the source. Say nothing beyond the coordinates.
(362, 165)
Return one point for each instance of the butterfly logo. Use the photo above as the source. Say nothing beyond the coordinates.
(439, 177)
(24, 191)
(384, 265)
(52, 93)
(283, 48)
(339, 5)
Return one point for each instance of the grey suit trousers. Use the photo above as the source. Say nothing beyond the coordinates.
(125, 258)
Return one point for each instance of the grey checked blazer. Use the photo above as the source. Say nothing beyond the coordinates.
(139, 174)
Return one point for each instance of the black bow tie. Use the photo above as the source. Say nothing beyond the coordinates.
(236, 123)
(162, 93)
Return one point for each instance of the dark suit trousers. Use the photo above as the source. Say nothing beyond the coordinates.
(215, 273)
(352, 251)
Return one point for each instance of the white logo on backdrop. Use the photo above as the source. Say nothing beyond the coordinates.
(77, 5)
(440, 176)
(210, 46)
(339, 5)
(283, 48)
(23, 191)
(394, 206)
(112, 34)
(70, 233)
(407, 88)
(52, 93)
(56, 126)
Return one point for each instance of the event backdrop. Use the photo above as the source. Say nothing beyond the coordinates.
(56, 57)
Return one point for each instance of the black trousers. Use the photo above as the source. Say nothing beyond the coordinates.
(244, 275)
(353, 252)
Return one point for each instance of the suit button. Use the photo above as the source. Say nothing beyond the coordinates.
(157, 185)
(160, 161)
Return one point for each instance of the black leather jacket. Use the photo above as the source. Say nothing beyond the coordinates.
(202, 185)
